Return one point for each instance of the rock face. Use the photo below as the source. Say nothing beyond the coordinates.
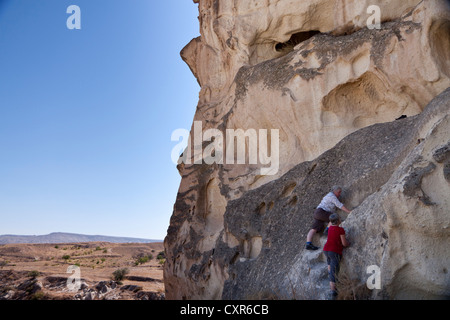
(332, 86)
(400, 221)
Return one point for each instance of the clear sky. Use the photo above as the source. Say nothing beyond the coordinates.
(86, 116)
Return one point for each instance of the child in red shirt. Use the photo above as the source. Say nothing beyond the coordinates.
(336, 241)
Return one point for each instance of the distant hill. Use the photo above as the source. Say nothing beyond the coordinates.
(62, 237)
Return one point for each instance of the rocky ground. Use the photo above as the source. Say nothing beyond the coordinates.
(41, 271)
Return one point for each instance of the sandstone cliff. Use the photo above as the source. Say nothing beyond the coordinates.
(333, 88)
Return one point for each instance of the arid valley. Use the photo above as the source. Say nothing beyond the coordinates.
(106, 271)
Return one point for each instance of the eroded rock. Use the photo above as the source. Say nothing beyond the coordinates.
(316, 73)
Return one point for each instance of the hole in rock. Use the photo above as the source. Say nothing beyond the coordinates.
(293, 201)
(365, 101)
(440, 44)
(234, 258)
(288, 189)
(261, 209)
(252, 248)
(295, 39)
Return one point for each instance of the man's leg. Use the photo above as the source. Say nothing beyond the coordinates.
(320, 218)
(309, 237)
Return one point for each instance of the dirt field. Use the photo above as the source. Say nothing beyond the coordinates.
(40, 271)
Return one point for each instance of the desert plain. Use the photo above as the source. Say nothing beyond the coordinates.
(41, 271)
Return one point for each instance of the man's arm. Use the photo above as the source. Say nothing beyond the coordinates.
(339, 204)
(343, 208)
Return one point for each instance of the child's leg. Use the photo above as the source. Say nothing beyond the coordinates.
(333, 286)
(333, 269)
(329, 262)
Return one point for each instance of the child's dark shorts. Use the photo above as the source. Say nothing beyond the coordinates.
(321, 218)
(333, 260)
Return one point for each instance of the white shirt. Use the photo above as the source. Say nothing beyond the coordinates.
(330, 202)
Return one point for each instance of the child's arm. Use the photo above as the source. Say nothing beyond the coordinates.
(344, 241)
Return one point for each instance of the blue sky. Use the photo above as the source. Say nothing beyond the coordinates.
(86, 116)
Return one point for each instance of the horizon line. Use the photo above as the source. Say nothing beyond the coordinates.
(79, 234)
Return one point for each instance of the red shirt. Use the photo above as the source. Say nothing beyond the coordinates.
(334, 242)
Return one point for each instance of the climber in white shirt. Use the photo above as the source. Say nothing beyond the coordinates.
(322, 214)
